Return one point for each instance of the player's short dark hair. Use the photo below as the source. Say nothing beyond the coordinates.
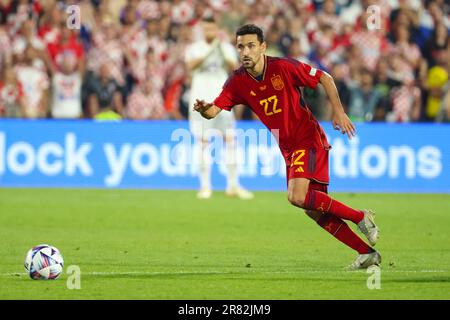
(251, 29)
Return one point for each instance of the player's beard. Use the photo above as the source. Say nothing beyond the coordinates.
(248, 63)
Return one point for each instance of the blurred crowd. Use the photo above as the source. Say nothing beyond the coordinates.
(115, 59)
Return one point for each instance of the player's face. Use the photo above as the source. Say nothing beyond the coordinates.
(250, 50)
(210, 31)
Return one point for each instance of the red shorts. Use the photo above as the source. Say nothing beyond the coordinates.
(313, 185)
(309, 163)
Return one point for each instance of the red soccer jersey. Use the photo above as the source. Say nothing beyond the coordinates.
(278, 102)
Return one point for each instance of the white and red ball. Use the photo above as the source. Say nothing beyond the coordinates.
(44, 262)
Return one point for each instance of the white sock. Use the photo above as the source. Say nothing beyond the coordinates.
(231, 163)
(204, 165)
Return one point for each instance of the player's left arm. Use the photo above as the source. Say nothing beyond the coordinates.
(341, 121)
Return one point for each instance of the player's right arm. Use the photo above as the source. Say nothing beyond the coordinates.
(207, 110)
(228, 98)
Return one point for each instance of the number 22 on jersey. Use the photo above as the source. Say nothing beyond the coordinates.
(270, 105)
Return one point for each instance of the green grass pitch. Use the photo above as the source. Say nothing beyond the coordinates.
(143, 244)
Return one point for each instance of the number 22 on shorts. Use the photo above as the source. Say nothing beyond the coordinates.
(298, 160)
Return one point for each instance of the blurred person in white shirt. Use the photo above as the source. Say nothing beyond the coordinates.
(210, 61)
(28, 37)
(66, 90)
(35, 84)
(12, 100)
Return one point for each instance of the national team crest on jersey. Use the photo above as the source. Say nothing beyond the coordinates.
(277, 82)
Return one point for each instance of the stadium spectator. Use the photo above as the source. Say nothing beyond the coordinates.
(107, 49)
(146, 102)
(156, 39)
(28, 37)
(35, 84)
(444, 113)
(176, 70)
(12, 99)
(405, 102)
(327, 16)
(438, 44)
(369, 43)
(232, 19)
(18, 12)
(364, 100)
(408, 50)
(340, 79)
(181, 11)
(436, 86)
(50, 24)
(5, 48)
(66, 90)
(147, 66)
(131, 31)
(104, 95)
(384, 85)
(431, 15)
(66, 47)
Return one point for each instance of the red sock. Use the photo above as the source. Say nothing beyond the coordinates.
(341, 231)
(320, 201)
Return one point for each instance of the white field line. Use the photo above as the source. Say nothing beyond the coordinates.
(212, 272)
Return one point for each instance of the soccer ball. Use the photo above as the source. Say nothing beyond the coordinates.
(44, 262)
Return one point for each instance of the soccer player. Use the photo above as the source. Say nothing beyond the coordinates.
(210, 62)
(271, 88)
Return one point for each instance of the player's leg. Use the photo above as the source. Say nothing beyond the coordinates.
(199, 129)
(336, 226)
(204, 159)
(225, 123)
(234, 189)
(300, 195)
(341, 231)
(231, 161)
(305, 164)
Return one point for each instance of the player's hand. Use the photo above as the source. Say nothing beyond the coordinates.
(216, 43)
(342, 123)
(202, 106)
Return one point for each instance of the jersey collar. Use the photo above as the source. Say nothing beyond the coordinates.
(264, 71)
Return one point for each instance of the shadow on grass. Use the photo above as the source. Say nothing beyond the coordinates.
(256, 276)
(165, 275)
(433, 279)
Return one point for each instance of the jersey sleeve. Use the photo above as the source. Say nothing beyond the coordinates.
(304, 75)
(229, 97)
